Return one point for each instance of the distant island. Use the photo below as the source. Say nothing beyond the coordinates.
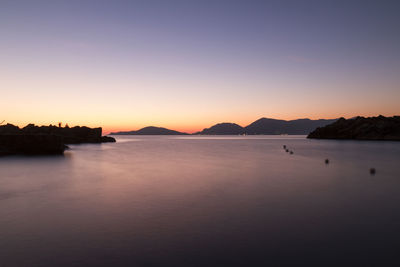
(223, 129)
(360, 128)
(267, 126)
(50, 139)
(151, 130)
(261, 126)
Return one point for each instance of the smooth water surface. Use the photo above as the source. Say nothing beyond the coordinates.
(203, 201)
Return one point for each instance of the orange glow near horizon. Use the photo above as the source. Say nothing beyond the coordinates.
(200, 125)
(182, 105)
(101, 66)
(111, 125)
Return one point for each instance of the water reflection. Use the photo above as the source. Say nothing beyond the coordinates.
(240, 201)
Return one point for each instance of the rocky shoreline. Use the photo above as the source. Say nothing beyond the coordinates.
(41, 140)
(360, 128)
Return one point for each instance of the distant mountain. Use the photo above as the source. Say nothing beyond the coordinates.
(151, 130)
(223, 129)
(268, 126)
(272, 126)
(261, 126)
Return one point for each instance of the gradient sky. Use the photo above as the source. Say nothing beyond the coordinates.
(188, 64)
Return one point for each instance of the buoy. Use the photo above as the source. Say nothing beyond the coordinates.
(291, 152)
(372, 171)
(327, 161)
(287, 150)
(284, 146)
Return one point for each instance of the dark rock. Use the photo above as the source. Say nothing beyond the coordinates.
(372, 171)
(78, 135)
(360, 128)
(108, 139)
(75, 135)
(31, 144)
(33, 139)
(9, 129)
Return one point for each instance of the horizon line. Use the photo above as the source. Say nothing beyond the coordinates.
(109, 129)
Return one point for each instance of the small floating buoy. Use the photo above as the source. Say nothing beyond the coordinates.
(287, 150)
(291, 152)
(284, 146)
(372, 171)
(327, 161)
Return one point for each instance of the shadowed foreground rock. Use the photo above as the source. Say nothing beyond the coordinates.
(31, 144)
(360, 128)
(35, 140)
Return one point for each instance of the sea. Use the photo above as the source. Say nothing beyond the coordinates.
(203, 201)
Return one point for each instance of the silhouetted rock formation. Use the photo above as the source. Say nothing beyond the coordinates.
(107, 139)
(151, 130)
(360, 128)
(31, 144)
(223, 129)
(46, 139)
(272, 126)
(9, 129)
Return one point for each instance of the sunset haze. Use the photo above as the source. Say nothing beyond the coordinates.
(186, 65)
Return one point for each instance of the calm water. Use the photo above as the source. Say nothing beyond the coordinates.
(203, 201)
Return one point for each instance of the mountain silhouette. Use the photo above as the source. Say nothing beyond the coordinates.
(261, 126)
(223, 129)
(151, 130)
(272, 126)
(267, 126)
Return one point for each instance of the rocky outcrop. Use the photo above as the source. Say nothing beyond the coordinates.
(34, 139)
(107, 139)
(31, 144)
(360, 128)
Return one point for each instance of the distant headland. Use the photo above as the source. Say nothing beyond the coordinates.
(360, 128)
(268, 126)
(151, 130)
(261, 126)
(33, 140)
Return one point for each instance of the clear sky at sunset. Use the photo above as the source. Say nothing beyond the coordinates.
(187, 65)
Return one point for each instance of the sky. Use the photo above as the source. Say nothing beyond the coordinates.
(187, 65)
